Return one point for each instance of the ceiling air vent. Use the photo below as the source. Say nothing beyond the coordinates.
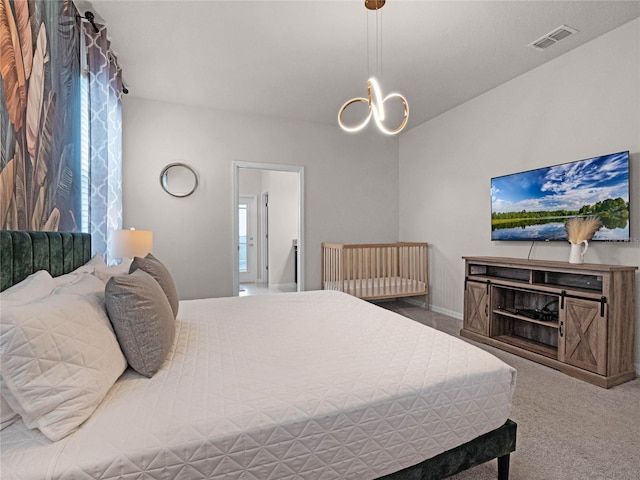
(553, 37)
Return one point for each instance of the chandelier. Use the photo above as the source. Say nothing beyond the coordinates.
(375, 100)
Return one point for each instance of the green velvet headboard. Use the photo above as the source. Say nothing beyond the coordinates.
(22, 253)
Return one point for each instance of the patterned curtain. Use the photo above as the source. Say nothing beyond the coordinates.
(104, 138)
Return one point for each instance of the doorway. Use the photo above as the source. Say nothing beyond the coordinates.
(247, 233)
(280, 238)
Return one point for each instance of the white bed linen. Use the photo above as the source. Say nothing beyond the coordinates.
(313, 385)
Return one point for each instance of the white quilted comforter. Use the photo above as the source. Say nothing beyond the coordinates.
(314, 385)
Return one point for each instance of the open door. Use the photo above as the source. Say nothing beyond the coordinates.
(293, 245)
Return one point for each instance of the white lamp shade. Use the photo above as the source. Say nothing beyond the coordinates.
(132, 243)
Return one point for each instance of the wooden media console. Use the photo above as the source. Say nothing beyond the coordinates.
(576, 318)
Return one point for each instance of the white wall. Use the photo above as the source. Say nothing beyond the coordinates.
(250, 181)
(580, 105)
(351, 185)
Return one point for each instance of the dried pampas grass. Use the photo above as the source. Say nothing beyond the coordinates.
(582, 228)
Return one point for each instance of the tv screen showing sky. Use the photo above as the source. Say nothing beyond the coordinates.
(534, 205)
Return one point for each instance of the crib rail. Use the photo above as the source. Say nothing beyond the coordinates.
(376, 271)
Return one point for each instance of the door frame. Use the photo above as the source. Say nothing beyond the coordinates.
(236, 166)
(264, 237)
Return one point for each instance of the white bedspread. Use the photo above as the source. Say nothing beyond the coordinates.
(314, 385)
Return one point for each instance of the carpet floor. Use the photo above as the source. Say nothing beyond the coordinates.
(567, 429)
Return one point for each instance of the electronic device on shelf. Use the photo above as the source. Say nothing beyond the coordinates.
(544, 314)
(538, 314)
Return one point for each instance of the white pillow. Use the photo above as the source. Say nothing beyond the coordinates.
(95, 262)
(7, 415)
(36, 285)
(98, 267)
(69, 278)
(88, 268)
(81, 284)
(58, 360)
(105, 273)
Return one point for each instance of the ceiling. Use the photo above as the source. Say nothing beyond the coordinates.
(302, 59)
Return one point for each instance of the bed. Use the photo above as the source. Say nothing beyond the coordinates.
(313, 385)
(376, 271)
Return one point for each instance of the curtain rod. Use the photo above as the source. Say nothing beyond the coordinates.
(91, 18)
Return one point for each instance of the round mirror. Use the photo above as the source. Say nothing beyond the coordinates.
(178, 179)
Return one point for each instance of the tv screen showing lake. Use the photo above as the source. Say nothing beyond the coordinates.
(534, 205)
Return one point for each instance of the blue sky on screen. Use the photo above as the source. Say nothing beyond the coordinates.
(563, 187)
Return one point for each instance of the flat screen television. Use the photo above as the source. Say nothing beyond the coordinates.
(534, 205)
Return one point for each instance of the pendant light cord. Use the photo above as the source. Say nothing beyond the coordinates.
(366, 16)
(379, 43)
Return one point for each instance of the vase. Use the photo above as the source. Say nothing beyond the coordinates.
(577, 251)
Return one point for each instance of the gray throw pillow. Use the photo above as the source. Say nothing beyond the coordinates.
(142, 320)
(157, 270)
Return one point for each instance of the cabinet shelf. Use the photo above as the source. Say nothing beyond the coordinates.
(550, 324)
(552, 288)
(530, 345)
(590, 331)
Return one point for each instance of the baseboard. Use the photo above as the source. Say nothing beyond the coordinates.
(414, 301)
(444, 311)
(421, 303)
(283, 285)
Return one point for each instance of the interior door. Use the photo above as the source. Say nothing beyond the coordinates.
(247, 231)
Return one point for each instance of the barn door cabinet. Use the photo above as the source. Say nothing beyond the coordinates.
(578, 319)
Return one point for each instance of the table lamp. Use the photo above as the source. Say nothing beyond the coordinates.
(131, 243)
